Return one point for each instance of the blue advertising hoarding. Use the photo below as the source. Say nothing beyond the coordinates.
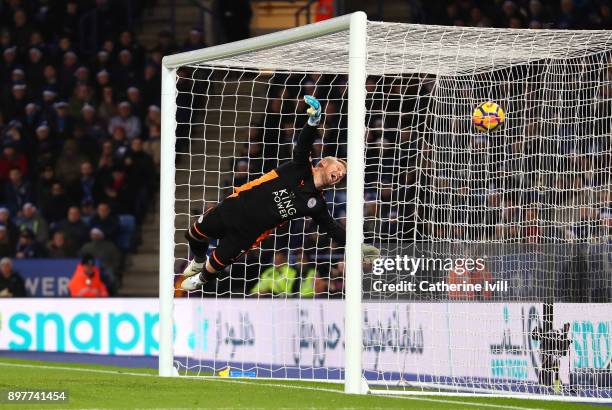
(46, 277)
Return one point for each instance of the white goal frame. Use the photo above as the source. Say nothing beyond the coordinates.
(356, 23)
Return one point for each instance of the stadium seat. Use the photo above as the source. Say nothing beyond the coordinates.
(127, 225)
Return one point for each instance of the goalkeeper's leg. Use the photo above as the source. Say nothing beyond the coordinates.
(230, 247)
(208, 226)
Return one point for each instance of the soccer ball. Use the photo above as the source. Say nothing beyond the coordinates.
(488, 116)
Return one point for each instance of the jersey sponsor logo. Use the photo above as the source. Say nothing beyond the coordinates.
(312, 202)
(284, 203)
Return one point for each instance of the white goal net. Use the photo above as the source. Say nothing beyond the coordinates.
(495, 272)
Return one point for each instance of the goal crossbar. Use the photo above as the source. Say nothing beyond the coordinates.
(276, 39)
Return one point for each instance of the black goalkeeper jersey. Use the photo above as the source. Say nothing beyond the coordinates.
(285, 193)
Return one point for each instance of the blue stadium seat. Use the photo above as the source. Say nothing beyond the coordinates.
(127, 226)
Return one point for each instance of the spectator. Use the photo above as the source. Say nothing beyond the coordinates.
(537, 11)
(336, 280)
(46, 179)
(567, 16)
(11, 282)
(127, 42)
(153, 117)
(69, 163)
(86, 187)
(56, 206)
(50, 81)
(277, 280)
(141, 170)
(88, 210)
(66, 74)
(17, 191)
(58, 247)
(130, 123)
(106, 221)
(236, 16)
(45, 146)
(69, 22)
(6, 248)
(35, 69)
(310, 282)
(194, 40)
(81, 96)
(21, 32)
(31, 121)
(10, 62)
(165, 43)
(82, 78)
(153, 144)
(124, 74)
(10, 159)
(11, 228)
(106, 252)
(28, 247)
(102, 80)
(603, 19)
(120, 193)
(30, 219)
(91, 125)
(15, 136)
(75, 230)
(87, 143)
(106, 107)
(151, 84)
(119, 143)
(135, 101)
(241, 173)
(63, 123)
(86, 280)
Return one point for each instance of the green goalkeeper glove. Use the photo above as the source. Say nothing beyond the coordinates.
(314, 112)
(369, 253)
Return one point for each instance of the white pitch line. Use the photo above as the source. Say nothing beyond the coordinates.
(286, 386)
(75, 369)
(466, 403)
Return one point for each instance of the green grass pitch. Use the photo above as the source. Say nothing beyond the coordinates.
(115, 387)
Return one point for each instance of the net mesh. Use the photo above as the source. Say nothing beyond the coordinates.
(531, 201)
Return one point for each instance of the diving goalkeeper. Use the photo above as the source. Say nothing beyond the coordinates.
(242, 220)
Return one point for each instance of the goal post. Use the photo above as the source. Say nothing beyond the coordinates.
(166, 221)
(479, 163)
(356, 24)
(354, 209)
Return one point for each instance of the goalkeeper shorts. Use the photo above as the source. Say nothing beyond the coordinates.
(219, 223)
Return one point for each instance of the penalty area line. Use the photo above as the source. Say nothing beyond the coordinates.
(262, 383)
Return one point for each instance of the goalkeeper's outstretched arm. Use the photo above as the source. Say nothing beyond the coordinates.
(331, 227)
(303, 146)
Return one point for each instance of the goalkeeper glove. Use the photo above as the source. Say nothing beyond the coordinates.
(314, 112)
(369, 253)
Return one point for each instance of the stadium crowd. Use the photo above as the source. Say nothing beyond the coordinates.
(535, 14)
(79, 130)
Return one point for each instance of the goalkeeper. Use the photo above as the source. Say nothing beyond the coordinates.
(293, 190)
